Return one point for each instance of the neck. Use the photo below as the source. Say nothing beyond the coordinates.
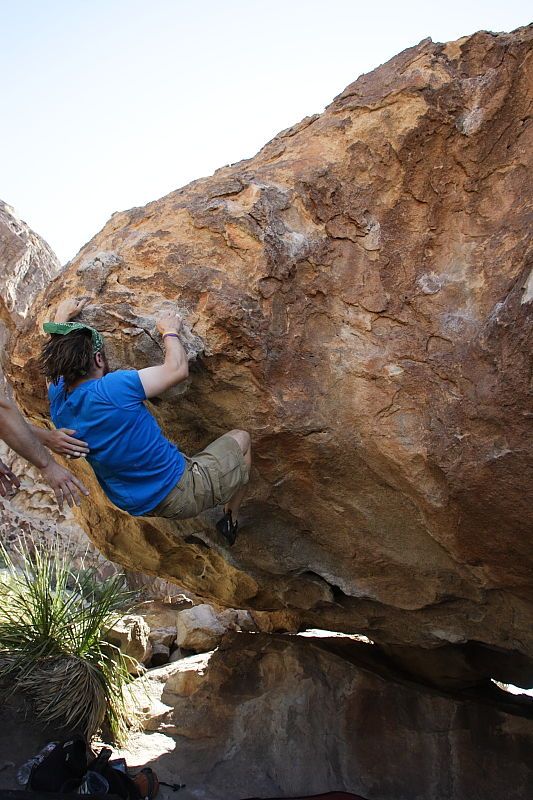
(93, 375)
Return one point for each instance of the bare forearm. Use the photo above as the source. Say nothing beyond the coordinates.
(42, 434)
(175, 355)
(175, 367)
(18, 435)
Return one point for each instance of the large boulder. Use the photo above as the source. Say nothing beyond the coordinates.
(358, 297)
(202, 627)
(132, 635)
(199, 628)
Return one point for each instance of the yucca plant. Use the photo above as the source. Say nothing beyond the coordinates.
(53, 620)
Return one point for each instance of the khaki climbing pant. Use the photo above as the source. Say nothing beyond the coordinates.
(211, 477)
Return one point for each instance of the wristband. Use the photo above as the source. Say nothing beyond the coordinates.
(171, 333)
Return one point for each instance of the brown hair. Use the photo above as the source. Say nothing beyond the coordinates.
(69, 356)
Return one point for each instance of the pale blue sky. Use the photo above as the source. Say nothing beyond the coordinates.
(108, 104)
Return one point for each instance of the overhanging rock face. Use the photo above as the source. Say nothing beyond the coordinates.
(358, 297)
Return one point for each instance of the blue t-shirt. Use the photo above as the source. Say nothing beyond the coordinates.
(134, 463)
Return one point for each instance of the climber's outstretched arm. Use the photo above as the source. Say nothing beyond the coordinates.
(175, 367)
(16, 433)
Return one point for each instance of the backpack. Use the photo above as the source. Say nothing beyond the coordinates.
(65, 768)
(58, 765)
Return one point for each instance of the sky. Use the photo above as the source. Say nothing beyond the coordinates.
(108, 104)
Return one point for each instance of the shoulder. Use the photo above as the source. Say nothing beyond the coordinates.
(122, 387)
(121, 377)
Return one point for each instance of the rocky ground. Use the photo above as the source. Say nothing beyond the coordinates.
(235, 713)
(237, 704)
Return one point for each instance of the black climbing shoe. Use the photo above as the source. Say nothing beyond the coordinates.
(228, 528)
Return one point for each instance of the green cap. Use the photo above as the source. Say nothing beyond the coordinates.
(67, 327)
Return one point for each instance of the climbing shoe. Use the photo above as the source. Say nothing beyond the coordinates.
(228, 528)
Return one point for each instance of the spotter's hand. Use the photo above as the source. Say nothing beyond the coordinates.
(62, 442)
(9, 483)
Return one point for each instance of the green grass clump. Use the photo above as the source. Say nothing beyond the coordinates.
(53, 620)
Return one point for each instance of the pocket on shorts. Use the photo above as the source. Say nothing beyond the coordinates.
(222, 465)
(199, 494)
(227, 483)
(171, 507)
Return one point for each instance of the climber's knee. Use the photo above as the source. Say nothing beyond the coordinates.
(242, 438)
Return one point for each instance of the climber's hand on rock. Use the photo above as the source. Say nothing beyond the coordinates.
(9, 483)
(65, 485)
(62, 441)
(69, 308)
(175, 368)
(169, 322)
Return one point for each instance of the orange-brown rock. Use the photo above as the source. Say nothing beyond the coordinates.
(358, 297)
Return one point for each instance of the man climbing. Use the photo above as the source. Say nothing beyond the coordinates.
(137, 467)
(27, 441)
